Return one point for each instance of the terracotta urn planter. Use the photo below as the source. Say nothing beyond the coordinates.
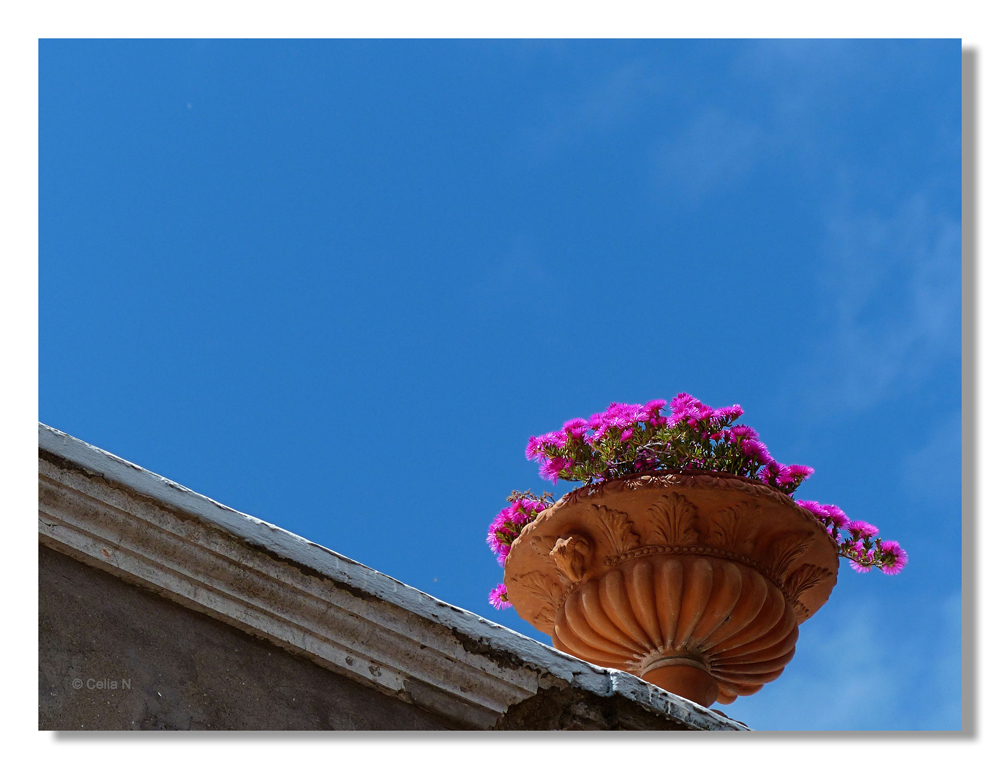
(696, 583)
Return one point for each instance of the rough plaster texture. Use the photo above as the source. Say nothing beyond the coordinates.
(322, 608)
(186, 670)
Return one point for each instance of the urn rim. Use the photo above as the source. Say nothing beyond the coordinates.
(531, 572)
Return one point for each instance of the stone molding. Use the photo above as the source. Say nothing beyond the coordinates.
(342, 615)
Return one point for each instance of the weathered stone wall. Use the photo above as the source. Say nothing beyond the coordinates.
(186, 670)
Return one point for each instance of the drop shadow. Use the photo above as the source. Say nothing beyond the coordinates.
(970, 385)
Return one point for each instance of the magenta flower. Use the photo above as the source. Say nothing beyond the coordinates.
(813, 507)
(599, 425)
(859, 568)
(826, 513)
(835, 515)
(756, 450)
(556, 438)
(729, 412)
(742, 431)
(633, 413)
(897, 557)
(505, 528)
(553, 466)
(771, 472)
(695, 414)
(796, 473)
(531, 506)
(575, 428)
(683, 401)
(520, 515)
(498, 597)
(620, 416)
(492, 537)
(683, 408)
(861, 529)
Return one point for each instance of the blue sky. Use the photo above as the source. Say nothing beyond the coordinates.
(338, 284)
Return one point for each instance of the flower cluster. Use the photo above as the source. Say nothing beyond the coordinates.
(498, 597)
(506, 527)
(861, 544)
(631, 438)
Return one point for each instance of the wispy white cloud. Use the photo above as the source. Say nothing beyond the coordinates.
(845, 681)
(809, 58)
(806, 79)
(714, 150)
(604, 104)
(892, 286)
(720, 146)
(945, 674)
(858, 668)
(611, 99)
(932, 472)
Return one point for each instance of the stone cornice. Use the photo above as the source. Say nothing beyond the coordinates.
(342, 615)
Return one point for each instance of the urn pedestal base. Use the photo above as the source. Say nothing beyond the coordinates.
(684, 677)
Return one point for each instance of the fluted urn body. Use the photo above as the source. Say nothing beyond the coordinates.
(694, 582)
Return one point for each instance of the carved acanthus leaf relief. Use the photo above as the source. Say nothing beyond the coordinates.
(782, 551)
(803, 578)
(572, 555)
(617, 529)
(543, 589)
(542, 543)
(674, 520)
(735, 527)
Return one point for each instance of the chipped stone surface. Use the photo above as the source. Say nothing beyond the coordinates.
(320, 606)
